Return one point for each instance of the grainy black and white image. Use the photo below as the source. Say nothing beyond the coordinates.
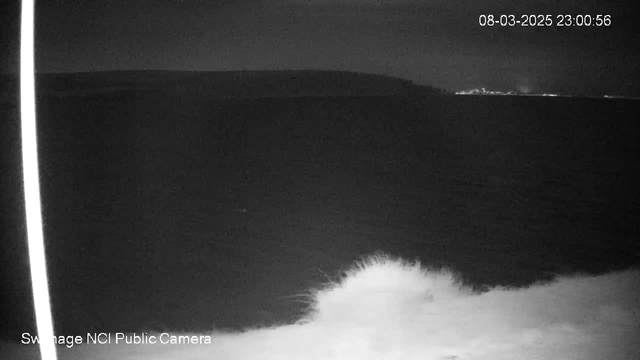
(327, 179)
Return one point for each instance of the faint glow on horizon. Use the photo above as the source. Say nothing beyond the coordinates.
(33, 210)
(524, 89)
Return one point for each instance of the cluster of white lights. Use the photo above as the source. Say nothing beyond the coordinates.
(483, 91)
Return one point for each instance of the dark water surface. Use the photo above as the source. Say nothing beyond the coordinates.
(168, 212)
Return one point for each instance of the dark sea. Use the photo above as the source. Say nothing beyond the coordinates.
(179, 212)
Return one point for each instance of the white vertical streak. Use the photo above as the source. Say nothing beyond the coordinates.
(33, 209)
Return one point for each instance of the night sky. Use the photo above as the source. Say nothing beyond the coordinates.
(432, 42)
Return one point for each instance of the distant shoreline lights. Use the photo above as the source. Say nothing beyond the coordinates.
(484, 91)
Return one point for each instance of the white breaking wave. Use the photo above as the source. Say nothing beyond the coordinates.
(387, 308)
